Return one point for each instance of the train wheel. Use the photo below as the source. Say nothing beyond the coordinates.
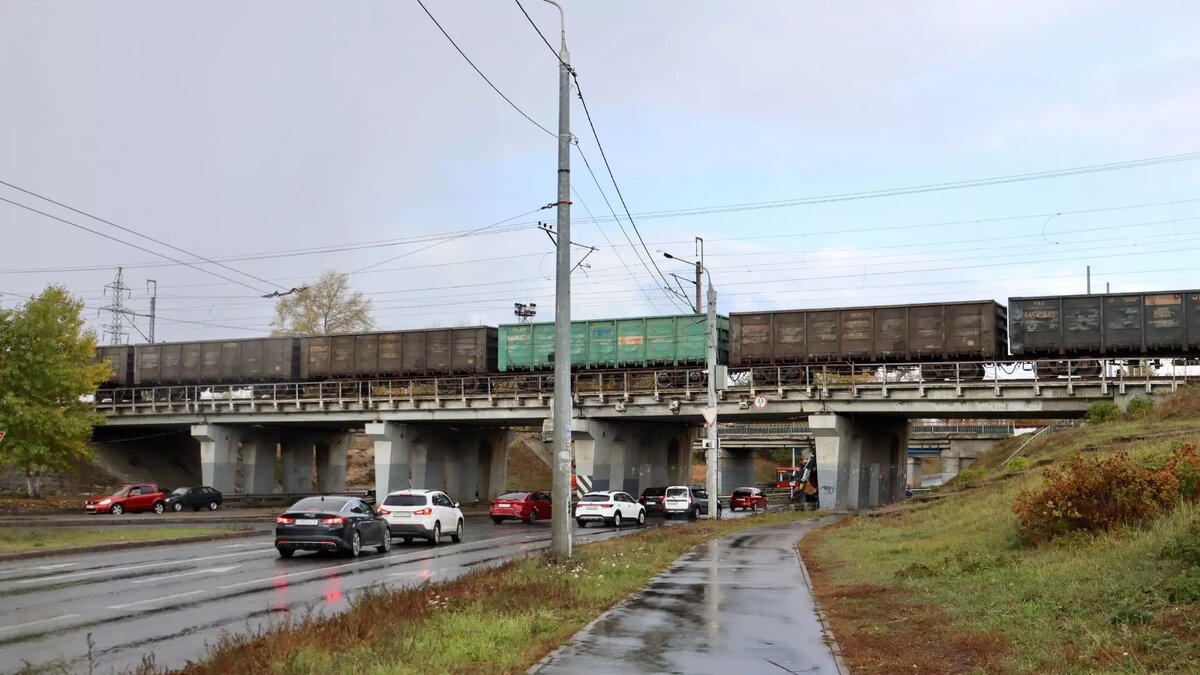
(665, 380)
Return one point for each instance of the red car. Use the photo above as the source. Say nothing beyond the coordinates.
(526, 506)
(130, 498)
(748, 498)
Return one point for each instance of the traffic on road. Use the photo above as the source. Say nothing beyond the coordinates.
(169, 600)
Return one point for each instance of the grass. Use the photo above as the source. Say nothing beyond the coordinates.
(498, 620)
(951, 586)
(19, 539)
(525, 470)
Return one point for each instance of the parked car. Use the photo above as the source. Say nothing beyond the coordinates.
(427, 514)
(130, 498)
(751, 498)
(688, 501)
(526, 506)
(194, 498)
(652, 499)
(344, 524)
(610, 507)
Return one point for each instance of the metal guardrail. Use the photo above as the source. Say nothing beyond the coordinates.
(683, 383)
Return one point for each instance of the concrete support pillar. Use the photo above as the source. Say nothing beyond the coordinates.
(914, 471)
(296, 453)
(630, 456)
(218, 455)
(332, 450)
(258, 465)
(951, 465)
(737, 470)
(860, 459)
(392, 459)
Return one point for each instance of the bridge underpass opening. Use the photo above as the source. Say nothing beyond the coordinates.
(468, 463)
(242, 458)
(632, 456)
(860, 459)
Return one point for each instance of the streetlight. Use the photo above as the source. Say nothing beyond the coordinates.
(711, 458)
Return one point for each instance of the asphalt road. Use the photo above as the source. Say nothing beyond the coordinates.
(168, 602)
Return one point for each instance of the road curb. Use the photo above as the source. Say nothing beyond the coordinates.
(102, 548)
(826, 625)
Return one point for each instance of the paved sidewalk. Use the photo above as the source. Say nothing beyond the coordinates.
(735, 605)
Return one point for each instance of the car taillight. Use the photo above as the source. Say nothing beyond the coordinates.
(423, 512)
(384, 512)
(605, 506)
(336, 520)
(284, 520)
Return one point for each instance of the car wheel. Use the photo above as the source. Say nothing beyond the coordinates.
(532, 517)
(437, 534)
(753, 508)
(693, 514)
(117, 509)
(286, 552)
(178, 506)
(497, 520)
(458, 533)
(641, 518)
(581, 522)
(387, 541)
(355, 544)
(666, 515)
(159, 507)
(212, 506)
(616, 521)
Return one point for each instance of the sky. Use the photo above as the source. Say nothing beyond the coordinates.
(285, 138)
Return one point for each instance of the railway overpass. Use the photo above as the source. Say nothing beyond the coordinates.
(629, 430)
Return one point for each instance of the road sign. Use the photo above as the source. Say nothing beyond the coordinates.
(710, 415)
(760, 401)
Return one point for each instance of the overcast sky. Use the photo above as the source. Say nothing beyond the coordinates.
(247, 130)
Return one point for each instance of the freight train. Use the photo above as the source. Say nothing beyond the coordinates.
(1046, 329)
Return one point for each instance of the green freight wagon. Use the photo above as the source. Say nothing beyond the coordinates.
(640, 342)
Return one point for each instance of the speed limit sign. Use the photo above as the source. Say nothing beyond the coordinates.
(760, 401)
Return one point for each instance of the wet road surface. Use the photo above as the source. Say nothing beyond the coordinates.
(736, 605)
(170, 601)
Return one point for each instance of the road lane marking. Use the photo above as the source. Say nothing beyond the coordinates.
(60, 617)
(237, 545)
(154, 600)
(145, 566)
(210, 570)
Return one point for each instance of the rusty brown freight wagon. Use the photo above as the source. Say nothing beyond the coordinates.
(120, 359)
(409, 353)
(223, 361)
(967, 331)
(1164, 323)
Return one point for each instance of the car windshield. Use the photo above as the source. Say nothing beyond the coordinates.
(595, 498)
(677, 492)
(741, 493)
(331, 504)
(700, 494)
(120, 492)
(180, 491)
(514, 496)
(654, 492)
(404, 500)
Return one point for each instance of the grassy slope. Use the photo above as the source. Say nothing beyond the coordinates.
(499, 620)
(1047, 609)
(13, 540)
(525, 470)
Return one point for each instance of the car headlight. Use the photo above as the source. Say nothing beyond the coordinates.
(105, 502)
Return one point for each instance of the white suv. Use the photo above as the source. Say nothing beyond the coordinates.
(610, 508)
(422, 513)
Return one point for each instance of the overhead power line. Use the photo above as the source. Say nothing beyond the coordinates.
(130, 244)
(132, 231)
(480, 72)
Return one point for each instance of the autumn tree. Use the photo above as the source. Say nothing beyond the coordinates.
(45, 374)
(324, 307)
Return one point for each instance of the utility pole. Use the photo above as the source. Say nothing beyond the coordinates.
(711, 467)
(560, 522)
(153, 305)
(116, 327)
(1089, 279)
(699, 271)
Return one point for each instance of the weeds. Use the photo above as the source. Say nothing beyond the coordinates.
(1103, 412)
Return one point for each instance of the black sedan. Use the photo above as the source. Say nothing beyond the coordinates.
(194, 498)
(652, 499)
(345, 524)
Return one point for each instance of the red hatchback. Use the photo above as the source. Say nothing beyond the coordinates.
(526, 506)
(748, 498)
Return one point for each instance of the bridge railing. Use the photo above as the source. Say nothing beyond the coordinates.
(621, 385)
